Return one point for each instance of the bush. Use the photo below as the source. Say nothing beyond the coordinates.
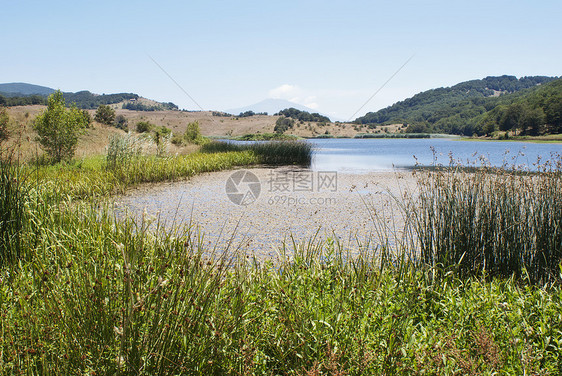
(144, 126)
(105, 114)
(85, 115)
(58, 128)
(283, 124)
(121, 122)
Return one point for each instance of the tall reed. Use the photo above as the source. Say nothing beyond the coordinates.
(12, 208)
(272, 152)
(499, 222)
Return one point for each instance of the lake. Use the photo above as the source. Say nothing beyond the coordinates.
(367, 174)
(363, 155)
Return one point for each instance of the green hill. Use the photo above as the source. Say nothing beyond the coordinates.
(22, 94)
(17, 89)
(465, 108)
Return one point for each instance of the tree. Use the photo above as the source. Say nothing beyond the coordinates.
(105, 114)
(58, 129)
(193, 132)
(532, 121)
(4, 120)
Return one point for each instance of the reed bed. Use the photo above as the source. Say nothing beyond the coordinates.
(491, 221)
(272, 152)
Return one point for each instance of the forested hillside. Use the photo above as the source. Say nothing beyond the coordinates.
(478, 107)
(23, 94)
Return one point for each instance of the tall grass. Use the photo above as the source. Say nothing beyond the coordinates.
(12, 208)
(101, 296)
(499, 222)
(109, 297)
(272, 152)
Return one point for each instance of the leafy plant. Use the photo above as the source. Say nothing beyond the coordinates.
(58, 129)
(105, 114)
(144, 126)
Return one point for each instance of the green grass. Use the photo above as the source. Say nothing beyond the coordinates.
(109, 297)
(95, 295)
(92, 177)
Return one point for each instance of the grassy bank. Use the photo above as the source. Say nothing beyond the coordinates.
(87, 294)
(100, 176)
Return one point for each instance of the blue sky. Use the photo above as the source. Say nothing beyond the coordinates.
(329, 55)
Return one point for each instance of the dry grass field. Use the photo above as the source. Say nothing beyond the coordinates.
(96, 139)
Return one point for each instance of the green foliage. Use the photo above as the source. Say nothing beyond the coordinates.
(161, 137)
(13, 198)
(266, 137)
(58, 129)
(22, 101)
(137, 106)
(283, 124)
(469, 107)
(122, 150)
(121, 122)
(105, 114)
(272, 152)
(303, 115)
(499, 222)
(193, 134)
(87, 100)
(97, 294)
(144, 126)
(250, 113)
(87, 118)
(4, 122)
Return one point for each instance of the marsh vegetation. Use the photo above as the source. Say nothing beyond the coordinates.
(82, 292)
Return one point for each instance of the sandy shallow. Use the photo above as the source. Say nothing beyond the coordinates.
(280, 203)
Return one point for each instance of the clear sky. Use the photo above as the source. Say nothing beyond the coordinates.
(329, 55)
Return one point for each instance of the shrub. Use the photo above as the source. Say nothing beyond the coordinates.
(85, 115)
(122, 149)
(121, 122)
(283, 124)
(144, 126)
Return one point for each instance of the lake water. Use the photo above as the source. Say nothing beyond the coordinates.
(370, 174)
(363, 155)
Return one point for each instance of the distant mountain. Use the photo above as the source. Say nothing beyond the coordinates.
(271, 106)
(22, 89)
(472, 107)
(22, 94)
